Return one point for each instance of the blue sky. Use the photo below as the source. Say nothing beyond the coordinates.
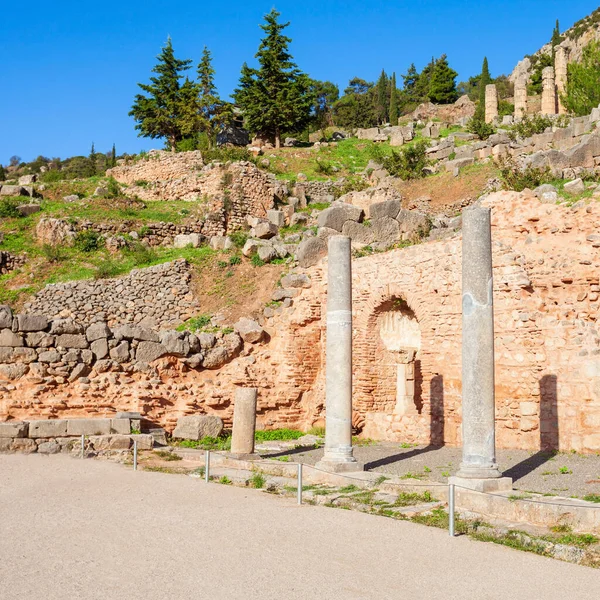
(69, 69)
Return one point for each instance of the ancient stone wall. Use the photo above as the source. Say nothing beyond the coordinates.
(158, 296)
(9, 262)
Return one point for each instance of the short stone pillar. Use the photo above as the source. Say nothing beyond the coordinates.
(478, 469)
(561, 70)
(244, 423)
(338, 455)
(548, 92)
(491, 103)
(520, 98)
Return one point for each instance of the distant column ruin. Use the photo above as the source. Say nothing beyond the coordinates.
(520, 98)
(491, 103)
(548, 92)
(560, 68)
(244, 422)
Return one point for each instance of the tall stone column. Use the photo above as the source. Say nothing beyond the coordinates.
(338, 419)
(520, 98)
(548, 92)
(479, 466)
(244, 422)
(561, 69)
(491, 103)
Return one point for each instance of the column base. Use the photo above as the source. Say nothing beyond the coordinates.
(334, 466)
(243, 456)
(498, 484)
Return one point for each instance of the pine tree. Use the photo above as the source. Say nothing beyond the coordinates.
(394, 102)
(442, 88)
(381, 98)
(210, 105)
(326, 94)
(164, 110)
(276, 97)
(484, 80)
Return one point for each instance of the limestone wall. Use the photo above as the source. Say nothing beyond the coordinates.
(158, 296)
(9, 262)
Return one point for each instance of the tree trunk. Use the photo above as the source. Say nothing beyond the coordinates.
(277, 139)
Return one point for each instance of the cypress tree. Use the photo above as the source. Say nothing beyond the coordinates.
(2, 173)
(556, 38)
(277, 96)
(394, 102)
(484, 80)
(381, 98)
(164, 110)
(442, 88)
(113, 156)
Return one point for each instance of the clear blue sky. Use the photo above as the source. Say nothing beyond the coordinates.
(69, 68)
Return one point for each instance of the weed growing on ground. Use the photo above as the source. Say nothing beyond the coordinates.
(224, 480)
(167, 455)
(410, 499)
(257, 480)
(565, 471)
(278, 435)
(592, 498)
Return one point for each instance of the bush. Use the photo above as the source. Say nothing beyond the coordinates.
(529, 126)
(107, 269)
(227, 154)
(257, 261)
(517, 178)
(505, 108)
(8, 208)
(141, 254)
(53, 254)
(239, 238)
(88, 241)
(582, 93)
(196, 323)
(324, 167)
(480, 128)
(409, 162)
(113, 189)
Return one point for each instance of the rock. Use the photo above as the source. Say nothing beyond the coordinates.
(71, 198)
(71, 341)
(215, 358)
(99, 348)
(207, 340)
(51, 447)
(359, 233)
(249, 330)
(78, 427)
(14, 371)
(311, 251)
(386, 230)
(14, 429)
(251, 247)
(28, 209)
(135, 332)
(11, 190)
(183, 241)
(50, 356)
(54, 232)
(27, 179)
(276, 217)
(281, 294)
(264, 231)
(149, 351)
(267, 253)
(324, 233)
(6, 317)
(175, 343)
(542, 189)
(299, 219)
(62, 326)
(120, 353)
(221, 242)
(388, 208)
(97, 331)
(197, 427)
(293, 280)
(413, 222)
(80, 370)
(10, 339)
(48, 429)
(335, 216)
(459, 163)
(31, 322)
(575, 187)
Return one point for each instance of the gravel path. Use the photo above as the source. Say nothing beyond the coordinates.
(94, 530)
(561, 474)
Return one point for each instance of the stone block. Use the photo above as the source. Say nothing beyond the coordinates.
(120, 426)
(311, 251)
(14, 371)
(99, 348)
(249, 330)
(149, 351)
(6, 317)
(51, 447)
(144, 440)
(335, 216)
(135, 332)
(49, 356)
(70, 340)
(78, 427)
(386, 230)
(23, 446)
(97, 331)
(10, 339)
(196, 427)
(48, 429)
(267, 253)
(359, 233)
(389, 208)
(294, 280)
(459, 163)
(221, 242)
(264, 231)
(276, 217)
(14, 429)
(12, 190)
(575, 187)
(31, 322)
(120, 353)
(39, 339)
(28, 209)
(500, 484)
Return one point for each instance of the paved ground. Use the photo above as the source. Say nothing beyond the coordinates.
(96, 530)
(563, 474)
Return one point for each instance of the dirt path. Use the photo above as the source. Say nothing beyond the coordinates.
(96, 530)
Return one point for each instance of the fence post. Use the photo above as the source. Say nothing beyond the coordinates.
(451, 492)
(82, 446)
(135, 450)
(299, 493)
(207, 466)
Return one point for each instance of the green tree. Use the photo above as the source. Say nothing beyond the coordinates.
(164, 110)
(381, 98)
(113, 156)
(2, 173)
(484, 80)
(424, 82)
(442, 88)
(277, 96)
(356, 107)
(556, 38)
(394, 102)
(410, 80)
(326, 94)
(210, 106)
(582, 92)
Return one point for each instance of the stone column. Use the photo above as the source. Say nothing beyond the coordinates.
(478, 404)
(548, 92)
(520, 98)
(244, 422)
(560, 69)
(338, 422)
(491, 103)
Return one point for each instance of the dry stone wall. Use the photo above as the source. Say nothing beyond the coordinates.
(9, 262)
(158, 296)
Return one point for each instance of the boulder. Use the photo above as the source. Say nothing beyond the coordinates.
(358, 232)
(207, 340)
(249, 330)
(71, 198)
(221, 242)
(39, 339)
(575, 187)
(197, 427)
(62, 326)
(267, 253)
(251, 247)
(276, 217)
(311, 251)
(299, 219)
(27, 179)
(294, 280)
(13, 372)
(68, 340)
(99, 348)
(51, 447)
(388, 208)
(215, 358)
(386, 230)
(184, 240)
(12, 190)
(149, 351)
(135, 332)
(120, 353)
(413, 221)
(28, 209)
(336, 215)
(54, 232)
(9, 339)
(97, 331)
(264, 231)
(49, 356)
(175, 343)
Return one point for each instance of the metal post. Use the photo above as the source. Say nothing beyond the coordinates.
(135, 455)
(299, 483)
(451, 509)
(207, 466)
(83, 446)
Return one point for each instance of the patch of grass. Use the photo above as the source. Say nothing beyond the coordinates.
(196, 323)
(278, 435)
(515, 497)
(410, 499)
(357, 441)
(318, 431)
(410, 475)
(281, 458)
(257, 261)
(406, 445)
(167, 455)
(592, 498)
(349, 489)
(257, 480)
(565, 471)
(208, 443)
(224, 480)
(381, 479)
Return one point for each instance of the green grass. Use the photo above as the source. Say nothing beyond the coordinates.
(592, 498)
(278, 435)
(222, 443)
(167, 455)
(410, 499)
(257, 480)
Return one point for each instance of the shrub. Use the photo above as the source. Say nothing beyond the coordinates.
(409, 162)
(52, 176)
(113, 189)
(505, 108)
(234, 260)
(53, 254)
(107, 269)
(196, 323)
(529, 126)
(141, 254)
(257, 261)
(351, 184)
(239, 238)
(517, 178)
(480, 128)
(8, 208)
(227, 154)
(88, 241)
(582, 93)
(324, 167)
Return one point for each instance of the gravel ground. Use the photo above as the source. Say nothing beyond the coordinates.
(94, 530)
(562, 474)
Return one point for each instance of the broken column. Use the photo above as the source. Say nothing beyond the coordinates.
(548, 92)
(244, 422)
(338, 419)
(560, 69)
(491, 103)
(478, 469)
(520, 98)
